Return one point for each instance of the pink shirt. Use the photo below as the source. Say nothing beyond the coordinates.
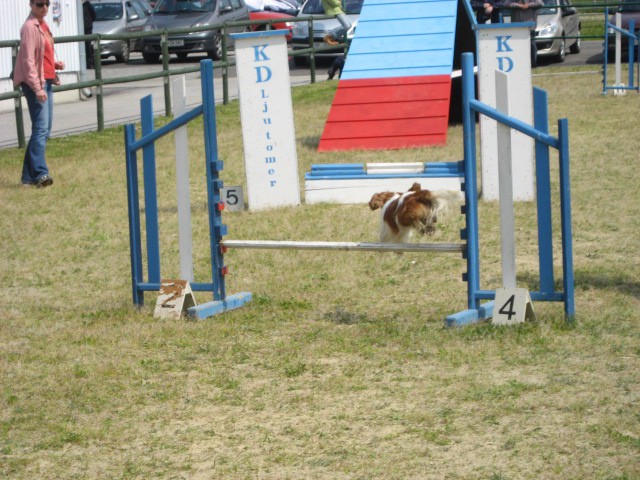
(29, 67)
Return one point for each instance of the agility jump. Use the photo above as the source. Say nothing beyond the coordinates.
(469, 248)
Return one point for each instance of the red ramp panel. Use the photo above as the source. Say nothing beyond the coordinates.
(396, 85)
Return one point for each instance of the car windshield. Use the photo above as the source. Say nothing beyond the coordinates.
(108, 11)
(179, 6)
(550, 7)
(630, 6)
(314, 7)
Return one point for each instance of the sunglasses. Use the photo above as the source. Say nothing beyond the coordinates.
(42, 4)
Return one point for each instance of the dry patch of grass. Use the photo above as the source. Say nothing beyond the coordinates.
(340, 367)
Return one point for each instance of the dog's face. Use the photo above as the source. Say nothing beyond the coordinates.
(417, 211)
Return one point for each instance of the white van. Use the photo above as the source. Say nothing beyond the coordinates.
(558, 28)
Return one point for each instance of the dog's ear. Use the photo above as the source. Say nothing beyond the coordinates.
(379, 199)
(375, 202)
(423, 196)
(418, 204)
(416, 187)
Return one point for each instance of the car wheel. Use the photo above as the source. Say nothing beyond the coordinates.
(151, 57)
(216, 53)
(182, 55)
(124, 56)
(576, 47)
(562, 51)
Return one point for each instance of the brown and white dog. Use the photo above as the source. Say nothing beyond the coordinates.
(417, 209)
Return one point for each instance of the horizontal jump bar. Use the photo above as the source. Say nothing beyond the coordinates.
(351, 246)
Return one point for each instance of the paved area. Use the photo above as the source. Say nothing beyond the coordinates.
(122, 101)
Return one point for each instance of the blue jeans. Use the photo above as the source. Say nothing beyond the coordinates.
(41, 113)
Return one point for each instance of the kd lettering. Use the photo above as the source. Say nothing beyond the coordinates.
(505, 64)
(259, 55)
(503, 46)
(263, 74)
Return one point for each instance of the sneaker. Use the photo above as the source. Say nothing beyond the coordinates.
(27, 184)
(330, 74)
(44, 181)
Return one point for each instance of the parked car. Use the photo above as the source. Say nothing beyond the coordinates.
(266, 15)
(629, 10)
(558, 28)
(290, 7)
(172, 14)
(117, 17)
(321, 28)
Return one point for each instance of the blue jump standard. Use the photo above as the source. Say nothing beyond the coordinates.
(221, 302)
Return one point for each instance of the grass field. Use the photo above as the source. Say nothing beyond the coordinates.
(340, 367)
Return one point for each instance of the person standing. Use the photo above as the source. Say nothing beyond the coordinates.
(486, 10)
(334, 7)
(526, 11)
(35, 73)
(89, 16)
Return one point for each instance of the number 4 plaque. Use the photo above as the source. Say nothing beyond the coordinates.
(512, 305)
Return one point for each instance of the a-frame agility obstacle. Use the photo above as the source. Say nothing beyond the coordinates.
(395, 89)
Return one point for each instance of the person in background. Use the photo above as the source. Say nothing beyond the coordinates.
(336, 65)
(89, 16)
(486, 10)
(334, 7)
(526, 11)
(35, 73)
(338, 62)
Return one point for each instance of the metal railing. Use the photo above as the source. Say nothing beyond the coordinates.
(166, 72)
(225, 63)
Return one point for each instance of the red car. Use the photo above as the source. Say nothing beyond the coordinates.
(262, 15)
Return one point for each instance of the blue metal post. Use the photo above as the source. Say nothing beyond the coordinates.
(133, 204)
(632, 49)
(150, 192)
(216, 228)
(543, 193)
(605, 62)
(470, 183)
(565, 215)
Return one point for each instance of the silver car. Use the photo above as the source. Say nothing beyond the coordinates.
(558, 28)
(117, 17)
(186, 14)
(311, 8)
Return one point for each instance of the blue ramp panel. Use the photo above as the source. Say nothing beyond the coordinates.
(399, 38)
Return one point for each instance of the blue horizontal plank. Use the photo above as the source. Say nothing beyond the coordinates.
(392, 60)
(468, 317)
(408, 43)
(338, 166)
(215, 307)
(403, 72)
(330, 169)
(417, 11)
(405, 27)
(441, 174)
